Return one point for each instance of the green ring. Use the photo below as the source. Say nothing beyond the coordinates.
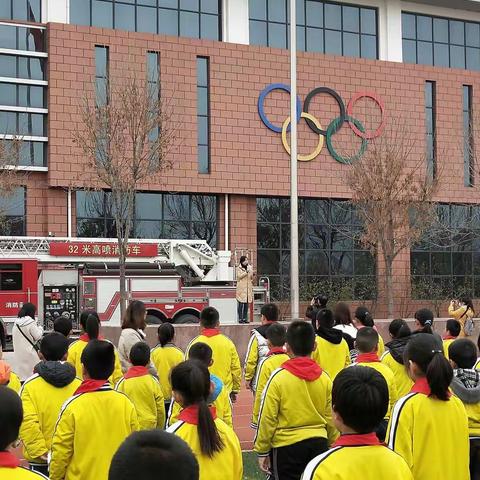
(333, 128)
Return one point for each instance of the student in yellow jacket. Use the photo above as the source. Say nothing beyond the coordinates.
(90, 323)
(276, 357)
(452, 331)
(363, 318)
(214, 444)
(7, 377)
(165, 356)
(93, 423)
(462, 310)
(331, 353)
(360, 402)
(219, 396)
(393, 356)
(295, 418)
(43, 395)
(10, 420)
(143, 389)
(258, 348)
(226, 364)
(429, 422)
(367, 343)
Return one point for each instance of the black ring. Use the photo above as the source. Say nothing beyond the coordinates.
(336, 96)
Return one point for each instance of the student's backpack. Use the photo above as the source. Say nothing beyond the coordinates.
(469, 327)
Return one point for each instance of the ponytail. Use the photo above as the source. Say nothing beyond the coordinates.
(192, 380)
(364, 317)
(427, 328)
(92, 327)
(424, 317)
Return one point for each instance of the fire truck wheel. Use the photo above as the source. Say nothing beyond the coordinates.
(186, 318)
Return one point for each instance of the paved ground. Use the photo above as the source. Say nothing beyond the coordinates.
(242, 416)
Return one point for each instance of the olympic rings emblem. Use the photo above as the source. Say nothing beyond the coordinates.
(325, 135)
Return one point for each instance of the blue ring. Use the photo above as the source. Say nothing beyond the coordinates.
(261, 102)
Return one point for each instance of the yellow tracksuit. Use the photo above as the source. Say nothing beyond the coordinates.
(11, 470)
(446, 343)
(224, 465)
(368, 462)
(42, 403)
(74, 357)
(226, 364)
(294, 408)
(477, 365)
(389, 377)
(331, 357)
(146, 395)
(257, 350)
(90, 428)
(267, 366)
(164, 359)
(431, 435)
(222, 405)
(403, 382)
(14, 382)
(8, 378)
(381, 346)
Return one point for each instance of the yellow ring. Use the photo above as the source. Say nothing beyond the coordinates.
(316, 152)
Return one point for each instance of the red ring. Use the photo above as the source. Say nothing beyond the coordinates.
(379, 102)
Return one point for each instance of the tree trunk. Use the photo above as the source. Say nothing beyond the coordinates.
(389, 286)
(122, 279)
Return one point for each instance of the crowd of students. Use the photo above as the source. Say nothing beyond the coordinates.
(331, 401)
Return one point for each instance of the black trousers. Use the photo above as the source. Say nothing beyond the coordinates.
(475, 458)
(242, 310)
(288, 463)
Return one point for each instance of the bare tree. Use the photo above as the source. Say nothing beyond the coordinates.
(126, 136)
(393, 197)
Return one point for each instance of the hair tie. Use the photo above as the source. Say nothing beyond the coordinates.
(428, 322)
(437, 351)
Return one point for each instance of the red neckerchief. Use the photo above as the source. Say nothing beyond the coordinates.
(448, 337)
(422, 386)
(90, 386)
(190, 414)
(85, 338)
(136, 372)
(367, 357)
(275, 351)
(303, 367)
(357, 440)
(210, 332)
(9, 460)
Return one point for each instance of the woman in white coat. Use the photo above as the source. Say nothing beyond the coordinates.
(26, 334)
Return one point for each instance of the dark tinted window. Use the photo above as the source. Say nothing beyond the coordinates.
(13, 217)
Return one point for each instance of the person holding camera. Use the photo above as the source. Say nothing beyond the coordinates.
(244, 288)
(462, 310)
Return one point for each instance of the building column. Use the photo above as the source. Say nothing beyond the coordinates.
(390, 31)
(235, 21)
(55, 11)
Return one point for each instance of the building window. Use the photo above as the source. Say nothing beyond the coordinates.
(430, 120)
(446, 263)
(468, 145)
(157, 215)
(101, 74)
(153, 73)
(331, 259)
(443, 42)
(203, 115)
(23, 85)
(185, 18)
(28, 10)
(12, 213)
(325, 27)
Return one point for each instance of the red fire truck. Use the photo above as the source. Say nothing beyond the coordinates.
(176, 279)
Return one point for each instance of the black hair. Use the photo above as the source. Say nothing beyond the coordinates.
(202, 352)
(165, 332)
(453, 327)
(276, 334)
(321, 301)
(153, 455)
(54, 346)
(192, 380)
(364, 317)
(427, 352)
(28, 310)
(83, 318)
(3, 335)
(366, 340)
(463, 352)
(301, 338)
(325, 318)
(360, 397)
(140, 355)
(11, 416)
(209, 317)
(98, 358)
(242, 259)
(92, 326)
(469, 304)
(270, 312)
(63, 325)
(425, 318)
(399, 328)
(342, 314)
